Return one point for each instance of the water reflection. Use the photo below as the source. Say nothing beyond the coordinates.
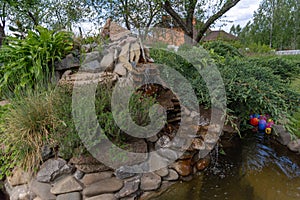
(253, 169)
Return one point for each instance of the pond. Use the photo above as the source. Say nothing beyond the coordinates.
(254, 168)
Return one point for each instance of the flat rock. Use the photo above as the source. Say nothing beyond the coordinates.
(130, 187)
(42, 190)
(78, 174)
(107, 60)
(172, 176)
(50, 170)
(92, 66)
(88, 164)
(162, 172)
(294, 145)
(66, 185)
(120, 70)
(150, 181)
(103, 197)
(156, 161)
(19, 177)
(168, 153)
(284, 137)
(69, 196)
(103, 186)
(89, 179)
(94, 55)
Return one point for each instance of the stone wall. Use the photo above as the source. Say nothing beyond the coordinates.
(122, 57)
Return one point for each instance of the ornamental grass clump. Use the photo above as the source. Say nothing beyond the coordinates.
(26, 129)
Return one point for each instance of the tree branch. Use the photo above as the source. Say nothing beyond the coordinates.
(227, 6)
(168, 8)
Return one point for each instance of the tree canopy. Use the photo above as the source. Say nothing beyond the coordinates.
(276, 23)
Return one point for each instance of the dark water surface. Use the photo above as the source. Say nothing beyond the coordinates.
(254, 168)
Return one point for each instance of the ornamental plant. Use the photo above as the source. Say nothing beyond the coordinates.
(29, 62)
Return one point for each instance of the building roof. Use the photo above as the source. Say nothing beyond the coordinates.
(218, 35)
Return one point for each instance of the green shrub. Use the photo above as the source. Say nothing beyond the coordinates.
(139, 105)
(29, 63)
(250, 88)
(286, 69)
(222, 49)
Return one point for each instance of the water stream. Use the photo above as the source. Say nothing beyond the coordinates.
(254, 168)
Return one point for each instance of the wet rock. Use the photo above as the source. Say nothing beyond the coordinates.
(89, 179)
(229, 129)
(183, 167)
(104, 186)
(172, 176)
(198, 144)
(187, 155)
(42, 190)
(162, 172)
(66, 185)
(202, 163)
(284, 137)
(130, 187)
(294, 145)
(186, 178)
(69, 196)
(19, 177)
(78, 174)
(150, 181)
(103, 197)
(52, 169)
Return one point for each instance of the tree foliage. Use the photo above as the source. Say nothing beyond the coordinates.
(276, 23)
(133, 13)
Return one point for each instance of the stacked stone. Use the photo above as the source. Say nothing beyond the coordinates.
(86, 178)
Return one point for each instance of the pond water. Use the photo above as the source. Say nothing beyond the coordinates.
(254, 168)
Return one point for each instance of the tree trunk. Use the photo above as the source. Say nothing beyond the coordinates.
(2, 35)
